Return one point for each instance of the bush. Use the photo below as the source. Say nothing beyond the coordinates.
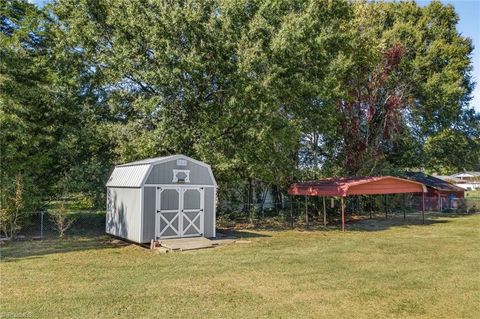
(61, 220)
(12, 208)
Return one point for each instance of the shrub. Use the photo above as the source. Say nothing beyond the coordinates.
(61, 219)
(12, 207)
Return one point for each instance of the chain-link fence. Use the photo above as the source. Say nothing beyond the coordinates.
(301, 210)
(472, 205)
(291, 211)
(41, 225)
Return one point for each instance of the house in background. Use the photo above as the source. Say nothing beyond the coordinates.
(468, 180)
(448, 178)
(440, 194)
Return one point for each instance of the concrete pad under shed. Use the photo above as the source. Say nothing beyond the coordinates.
(190, 243)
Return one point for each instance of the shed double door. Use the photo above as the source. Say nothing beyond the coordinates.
(180, 212)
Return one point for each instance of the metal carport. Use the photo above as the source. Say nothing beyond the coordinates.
(360, 185)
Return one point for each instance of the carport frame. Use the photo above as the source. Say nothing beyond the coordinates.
(347, 186)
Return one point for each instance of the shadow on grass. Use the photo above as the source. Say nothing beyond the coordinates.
(353, 223)
(12, 251)
(369, 225)
(17, 250)
(398, 221)
(241, 233)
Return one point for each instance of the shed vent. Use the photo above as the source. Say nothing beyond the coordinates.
(181, 162)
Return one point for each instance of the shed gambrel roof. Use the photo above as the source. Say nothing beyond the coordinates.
(134, 174)
(153, 160)
(128, 176)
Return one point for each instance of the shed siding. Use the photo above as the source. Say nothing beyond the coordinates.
(169, 199)
(209, 217)
(163, 173)
(148, 214)
(191, 199)
(124, 212)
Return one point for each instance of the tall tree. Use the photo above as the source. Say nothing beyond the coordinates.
(409, 82)
(183, 77)
(265, 91)
(45, 132)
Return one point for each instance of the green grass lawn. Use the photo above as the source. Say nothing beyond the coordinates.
(378, 269)
(473, 194)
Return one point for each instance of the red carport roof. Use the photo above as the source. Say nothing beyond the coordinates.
(360, 185)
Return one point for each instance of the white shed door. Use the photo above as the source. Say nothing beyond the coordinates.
(179, 212)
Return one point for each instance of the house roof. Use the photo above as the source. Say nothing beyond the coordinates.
(358, 185)
(450, 179)
(467, 175)
(433, 182)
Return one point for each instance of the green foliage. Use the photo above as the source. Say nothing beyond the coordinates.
(265, 91)
(61, 219)
(392, 109)
(12, 207)
(47, 130)
(439, 149)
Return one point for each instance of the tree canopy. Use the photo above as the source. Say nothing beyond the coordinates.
(265, 91)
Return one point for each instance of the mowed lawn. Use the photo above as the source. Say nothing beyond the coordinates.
(378, 269)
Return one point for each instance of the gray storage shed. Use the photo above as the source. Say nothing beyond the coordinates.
(162, 197)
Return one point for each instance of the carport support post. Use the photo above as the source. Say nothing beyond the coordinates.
(343, 214)
(324, 212)
(423, 208)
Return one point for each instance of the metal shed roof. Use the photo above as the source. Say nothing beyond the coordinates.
(128, 176)
(133, 174)
(152, 160)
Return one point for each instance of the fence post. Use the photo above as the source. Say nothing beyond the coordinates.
(371, 206)
(423, 208)
(41, 225)
(291, 211)
(324, 212)
(359, 202)
(306, 210)
(386, 206)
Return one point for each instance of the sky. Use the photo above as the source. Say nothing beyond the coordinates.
(468, 26)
